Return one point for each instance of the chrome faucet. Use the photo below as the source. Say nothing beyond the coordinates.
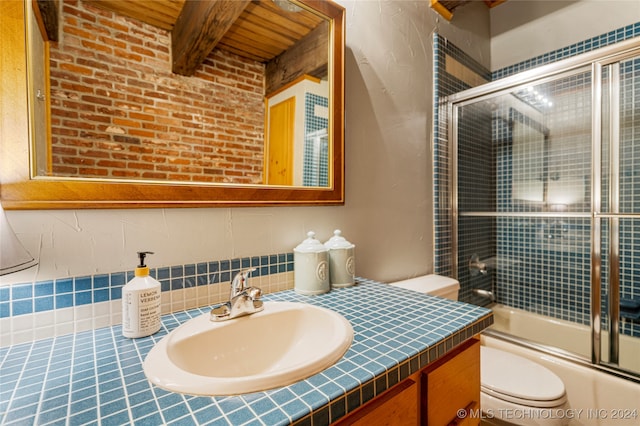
(243, 299)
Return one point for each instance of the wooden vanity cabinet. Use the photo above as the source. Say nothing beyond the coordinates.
(432, 396)
(451, 384)
(396, 406)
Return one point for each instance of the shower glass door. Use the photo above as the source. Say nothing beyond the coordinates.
(545, 174)
(524, 202)
(620, 215)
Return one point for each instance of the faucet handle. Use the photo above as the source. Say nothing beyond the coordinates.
(254, 293)
(238, 285)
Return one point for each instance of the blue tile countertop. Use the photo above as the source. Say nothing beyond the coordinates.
(96, 377)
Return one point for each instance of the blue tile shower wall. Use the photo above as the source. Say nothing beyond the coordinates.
(316, 147)
(612, 37)
(545, 262)
(27, 298)
(557, 280)
(550, 276)
(446, 84)
(629, 180)
(476, 193)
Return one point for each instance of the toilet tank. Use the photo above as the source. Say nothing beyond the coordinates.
(435, 285)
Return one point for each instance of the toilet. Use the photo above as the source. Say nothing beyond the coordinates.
(516, 390)
(513, 390)
(435, 285)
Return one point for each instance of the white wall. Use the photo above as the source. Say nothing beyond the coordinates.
(388, 210)
(523, 29)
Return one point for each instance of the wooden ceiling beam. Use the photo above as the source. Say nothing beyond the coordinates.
(446, 7)
(441, 9)
(494, 3)
(199, 28)
(308, 56)
(46, 13)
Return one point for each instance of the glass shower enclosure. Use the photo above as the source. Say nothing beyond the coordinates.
(545, 178)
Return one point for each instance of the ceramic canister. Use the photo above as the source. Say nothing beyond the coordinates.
(311, 267)
(342, 263)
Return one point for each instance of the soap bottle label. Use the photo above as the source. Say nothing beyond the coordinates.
(141, 313)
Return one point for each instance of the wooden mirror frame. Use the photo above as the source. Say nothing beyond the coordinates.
(20, 190)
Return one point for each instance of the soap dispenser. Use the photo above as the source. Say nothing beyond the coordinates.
(141, 303)
(311, 267)
(342, 263)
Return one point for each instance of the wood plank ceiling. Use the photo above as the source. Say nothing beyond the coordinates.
(261, 32)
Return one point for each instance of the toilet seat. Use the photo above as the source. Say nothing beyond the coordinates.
(516, 379)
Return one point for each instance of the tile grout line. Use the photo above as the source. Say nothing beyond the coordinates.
(71, 370)
(95, 365)
(46, 377)
(121, 376)
(12, 398)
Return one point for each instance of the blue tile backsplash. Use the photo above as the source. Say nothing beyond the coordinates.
(27, 298)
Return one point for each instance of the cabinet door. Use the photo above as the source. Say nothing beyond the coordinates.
(451, 385)
(397, 406)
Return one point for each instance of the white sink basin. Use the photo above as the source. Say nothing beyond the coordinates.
(284, 343)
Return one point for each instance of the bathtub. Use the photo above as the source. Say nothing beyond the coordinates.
(595, 397)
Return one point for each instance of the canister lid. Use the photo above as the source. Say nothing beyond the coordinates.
(338, 241)
(310, 245)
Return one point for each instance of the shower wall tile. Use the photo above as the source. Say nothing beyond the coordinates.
(447, 81)
(316, 146)
(607, 39)
(478, 238)
(629, 270)
(476, 160)
(543, 264)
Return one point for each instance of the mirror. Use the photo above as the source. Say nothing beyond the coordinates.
(540, 176)
(529, 158)
(44, 178)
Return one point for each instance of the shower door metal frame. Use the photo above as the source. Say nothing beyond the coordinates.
(610, 57)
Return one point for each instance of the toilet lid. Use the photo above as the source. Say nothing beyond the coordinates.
(519, 380)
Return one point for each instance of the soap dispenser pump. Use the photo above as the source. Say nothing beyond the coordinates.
(141, 303)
